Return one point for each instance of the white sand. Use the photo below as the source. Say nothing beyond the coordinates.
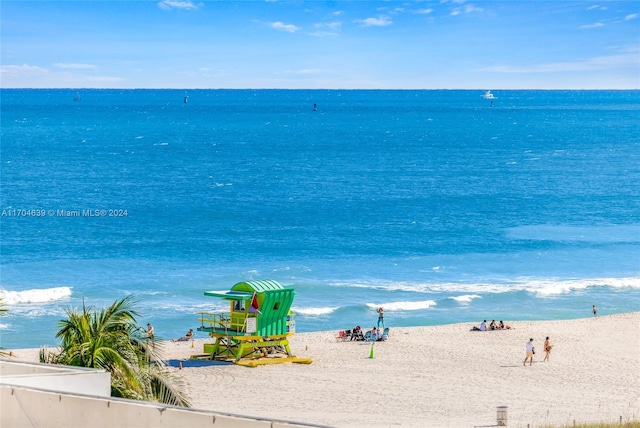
(443, 376)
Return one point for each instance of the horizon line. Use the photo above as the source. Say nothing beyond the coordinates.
(323, 89)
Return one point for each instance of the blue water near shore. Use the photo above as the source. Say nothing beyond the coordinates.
(433, 204)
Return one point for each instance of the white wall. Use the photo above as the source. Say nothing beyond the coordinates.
(42, 395)
(77, 380)
(28, 408)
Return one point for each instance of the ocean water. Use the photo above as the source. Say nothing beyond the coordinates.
(436, 205)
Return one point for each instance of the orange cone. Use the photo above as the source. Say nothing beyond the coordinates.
(180, 366)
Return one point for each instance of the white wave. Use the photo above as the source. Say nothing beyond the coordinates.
(285, 269)
(466, 298)
(538, 286)
(152, 293)
(551, 288)
(35, 295)
(403, 306)
(4, 326)
(313, 311)
(435, 287)
(31, 311)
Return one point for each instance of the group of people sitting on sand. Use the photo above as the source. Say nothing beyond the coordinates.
(375, 334)
(493, 326)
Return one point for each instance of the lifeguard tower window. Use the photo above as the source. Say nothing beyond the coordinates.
(276, 306)
(238, 305)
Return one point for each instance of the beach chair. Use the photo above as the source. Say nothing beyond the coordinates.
(357, 335)
(341, 335)
(385, 333)
(367, 336)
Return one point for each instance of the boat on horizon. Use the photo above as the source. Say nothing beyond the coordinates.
(489, 96)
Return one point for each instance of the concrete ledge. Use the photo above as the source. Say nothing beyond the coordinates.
(34, 394)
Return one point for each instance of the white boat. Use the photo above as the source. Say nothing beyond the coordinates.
(488, 96)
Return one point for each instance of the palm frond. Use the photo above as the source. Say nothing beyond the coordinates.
(109, 339)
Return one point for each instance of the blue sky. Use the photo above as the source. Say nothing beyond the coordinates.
(449, 44)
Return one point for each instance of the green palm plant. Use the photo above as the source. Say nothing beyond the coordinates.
(109, 339)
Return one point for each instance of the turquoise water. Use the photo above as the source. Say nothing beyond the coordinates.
(433, 204)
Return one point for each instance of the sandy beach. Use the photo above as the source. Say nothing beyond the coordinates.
(441, 376)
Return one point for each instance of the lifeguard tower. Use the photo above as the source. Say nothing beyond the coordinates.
(256, 328)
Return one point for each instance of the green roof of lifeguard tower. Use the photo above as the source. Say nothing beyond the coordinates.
(245, 290)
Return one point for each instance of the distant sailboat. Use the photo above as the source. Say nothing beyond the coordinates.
(77, 97)
(186, 98)
(489, 96)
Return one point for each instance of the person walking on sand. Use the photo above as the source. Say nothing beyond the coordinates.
(595, 311)
(547, 349)
(380, 317)
(530, 351)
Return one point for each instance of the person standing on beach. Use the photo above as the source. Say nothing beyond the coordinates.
(380, 317)
(547, 349)
(595, 311)
(530, 351)
(149, 331)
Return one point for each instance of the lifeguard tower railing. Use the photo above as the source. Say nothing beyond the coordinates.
(222, 323)
(235, 323)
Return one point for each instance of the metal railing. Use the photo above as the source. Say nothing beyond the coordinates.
(222, 322)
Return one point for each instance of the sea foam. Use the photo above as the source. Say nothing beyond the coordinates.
(35, 295)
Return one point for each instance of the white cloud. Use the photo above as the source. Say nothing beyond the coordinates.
(23, 70)
(630, 17)
(469, 8)
(75, 66)
(289, 28)
(423, 11)
(330, 25)
(175, 4)
(381, 21)
(590, 26)
(327, 29)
